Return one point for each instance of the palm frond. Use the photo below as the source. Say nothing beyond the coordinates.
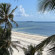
(10, 50)
(9, 24)
(39, 52)
(8, 8)
(14, 46)
(5, 7)
(52, 49)
(4, 51)
(16, 42)
(14, 22)
(6, 15)
(45, 42)
(30, 50)
(1, 14)
(11, 16)
(5, 33)
(47, 5)
(13, 10)
(2, 21)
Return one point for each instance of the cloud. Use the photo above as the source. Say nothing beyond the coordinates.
(45, 12)
(22, 12)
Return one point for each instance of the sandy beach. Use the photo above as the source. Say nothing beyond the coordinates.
(25, 40)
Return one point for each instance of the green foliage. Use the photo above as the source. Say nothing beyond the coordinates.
(6, 44)
(47, 5)
(6, 16)
(44, 43)
(4, 51)
(30, 51)
(39, 52)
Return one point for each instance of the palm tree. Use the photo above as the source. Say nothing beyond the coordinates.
(39, 52)
(30, 50)
(5, 33)
(6, 16)
(47, 5)
(45, 42)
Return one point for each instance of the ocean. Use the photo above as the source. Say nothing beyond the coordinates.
(33, 27)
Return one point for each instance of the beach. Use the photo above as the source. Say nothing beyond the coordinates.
(25, 40)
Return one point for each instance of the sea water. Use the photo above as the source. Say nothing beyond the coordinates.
(33, 27)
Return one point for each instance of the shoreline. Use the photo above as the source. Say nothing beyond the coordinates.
(26, 35)
(29, 34)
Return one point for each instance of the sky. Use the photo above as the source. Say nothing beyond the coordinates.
(28, 11)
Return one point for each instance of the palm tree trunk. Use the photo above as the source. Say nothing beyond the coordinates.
(5, 27)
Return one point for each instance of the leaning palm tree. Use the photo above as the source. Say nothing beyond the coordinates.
(47, 41)
(6, 17)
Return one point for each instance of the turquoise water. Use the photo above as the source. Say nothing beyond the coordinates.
(40, 28)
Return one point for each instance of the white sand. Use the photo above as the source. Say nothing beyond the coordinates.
(25, 40)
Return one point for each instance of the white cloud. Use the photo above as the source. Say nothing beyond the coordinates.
(22, 12)
(45, 12)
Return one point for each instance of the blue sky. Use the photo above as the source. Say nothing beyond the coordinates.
(28, 11)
